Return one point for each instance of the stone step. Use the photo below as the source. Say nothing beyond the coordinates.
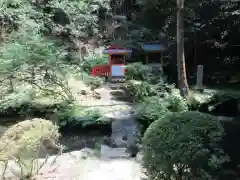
(119, 93)
(119, 17)
(122, 114)
(108, 152)
(117, 90)
(115, 85)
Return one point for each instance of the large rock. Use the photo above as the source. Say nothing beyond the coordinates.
(108, 152)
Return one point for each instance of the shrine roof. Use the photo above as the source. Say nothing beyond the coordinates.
(117, 49)
(149, 47)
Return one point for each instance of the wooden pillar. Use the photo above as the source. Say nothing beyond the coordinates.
(110, 59)
(162, 58)
(162, 63)
(146, 60)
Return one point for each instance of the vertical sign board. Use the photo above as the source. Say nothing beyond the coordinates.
(118, 70)
(199, 85)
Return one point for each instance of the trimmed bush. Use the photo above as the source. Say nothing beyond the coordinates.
(29, 139)
(183, 146)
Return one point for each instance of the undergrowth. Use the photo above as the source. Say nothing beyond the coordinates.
(77, 115)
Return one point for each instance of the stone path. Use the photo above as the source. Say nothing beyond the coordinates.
(125, 129)
(114, 107)
(85, 165)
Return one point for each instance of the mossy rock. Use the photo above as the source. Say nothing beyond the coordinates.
(29, 139)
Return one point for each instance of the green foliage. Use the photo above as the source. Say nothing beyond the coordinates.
(137, 71)
(183, 146)
(25, 139)
(75, 19)
(93, 82)
(143, 83)
(19, 97)
(176, 103)
(153, 96)
(81, 17)
(139, 90)
(28, 59)
(154, 107)
(25, 142)
(151, 109)
(223, 95)
(76, 115)
(193, 104)
(29, 102)
(29, 48)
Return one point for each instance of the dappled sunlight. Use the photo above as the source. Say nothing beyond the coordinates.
(100, 98)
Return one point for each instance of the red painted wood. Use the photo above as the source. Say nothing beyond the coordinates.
(105, 70)
(102, 70)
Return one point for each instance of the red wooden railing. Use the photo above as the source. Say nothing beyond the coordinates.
(101, 70)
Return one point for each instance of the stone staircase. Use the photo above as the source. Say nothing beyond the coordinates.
(125, 129)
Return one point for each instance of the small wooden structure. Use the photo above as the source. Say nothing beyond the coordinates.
(116, 67)
(154, 50)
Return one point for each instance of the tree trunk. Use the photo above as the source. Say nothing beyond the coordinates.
(182, 78)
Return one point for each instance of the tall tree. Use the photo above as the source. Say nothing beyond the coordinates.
(182, 79)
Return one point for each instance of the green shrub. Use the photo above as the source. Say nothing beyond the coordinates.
(25, 142)
(154, 107)
(77, 115)
(25, 139)
(140, 72)
(17, 98)
(139, 90)
(137, 71)
(93, 82)
(151, 109)
(176, 103)
(183, 146)
(193, 104)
